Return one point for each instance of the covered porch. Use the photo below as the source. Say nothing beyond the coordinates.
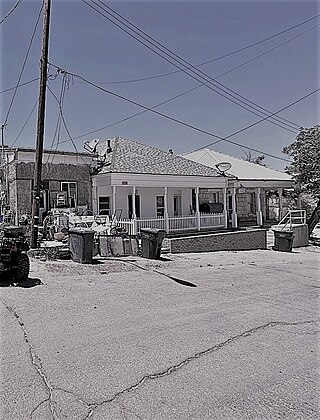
(170, 202)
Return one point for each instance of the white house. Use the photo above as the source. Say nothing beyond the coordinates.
(155, 188)
(248, 197)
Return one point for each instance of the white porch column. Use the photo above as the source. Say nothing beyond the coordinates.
(280, 190)
(258, 203)
(225, 211)
(197, 209)
(166, 214)
(113, 199)
(234, 208)
(134, 202)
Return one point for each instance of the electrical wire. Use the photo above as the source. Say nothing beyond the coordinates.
(24, 64)
(154, 42)
(65, 126)
(292, 124)
(172, 56)
(142, 79)
(26, 122)
(189, 125)
(10, 11)
(59, 121)
(20, 85)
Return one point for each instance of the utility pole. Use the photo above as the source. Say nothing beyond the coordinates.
(4, 178)
(40, 125)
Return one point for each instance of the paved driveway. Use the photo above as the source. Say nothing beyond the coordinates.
(225, 335)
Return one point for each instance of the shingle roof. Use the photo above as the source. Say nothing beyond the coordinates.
(130, 156)
(240, 168)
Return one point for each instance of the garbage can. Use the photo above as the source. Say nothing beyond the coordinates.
(151, 241)
(283, 240)
(81, 245)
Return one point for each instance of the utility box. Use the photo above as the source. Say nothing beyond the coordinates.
(151, 241)
(81, 244)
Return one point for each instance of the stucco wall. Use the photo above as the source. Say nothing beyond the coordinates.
(21, 175)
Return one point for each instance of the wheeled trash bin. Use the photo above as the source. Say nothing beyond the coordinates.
(151, 241)
(81, 245)
(283, 240)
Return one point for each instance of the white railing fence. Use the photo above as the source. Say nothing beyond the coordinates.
(212, 220)
(293, 217)
(173, 224)
(182, 223)
(148, 223)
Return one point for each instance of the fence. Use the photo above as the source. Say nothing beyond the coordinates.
(174, 224)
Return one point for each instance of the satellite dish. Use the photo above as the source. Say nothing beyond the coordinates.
(223, 167)
(91, 146)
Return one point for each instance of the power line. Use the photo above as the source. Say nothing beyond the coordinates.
(189, 125)
(65, 124)
(290, 123)
(20, 85)
(59, 120)
(24, 64)
(178, 62)
(26, 122)
(257, 122)
(216, 58)
(9, 13)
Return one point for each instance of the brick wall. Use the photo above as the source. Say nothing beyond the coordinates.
(224, 241)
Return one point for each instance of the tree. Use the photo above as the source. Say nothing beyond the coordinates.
(305, 167)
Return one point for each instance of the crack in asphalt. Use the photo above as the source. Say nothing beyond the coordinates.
(37, 407)
(190, 359)
(37, 364)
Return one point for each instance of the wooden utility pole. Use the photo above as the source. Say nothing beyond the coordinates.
(40, 125)
(3, 170)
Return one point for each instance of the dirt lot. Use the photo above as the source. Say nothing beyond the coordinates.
(225, 335)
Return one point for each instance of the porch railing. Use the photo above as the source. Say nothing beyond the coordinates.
(174, 224)
(182, 223)
(212, 220)
(293, 217)
(151, 223)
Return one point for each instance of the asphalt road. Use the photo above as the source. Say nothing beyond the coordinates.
(225, 335)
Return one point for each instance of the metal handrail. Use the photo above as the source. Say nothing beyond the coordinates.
(296, 217)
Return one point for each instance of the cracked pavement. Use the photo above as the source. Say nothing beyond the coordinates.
(225, 335)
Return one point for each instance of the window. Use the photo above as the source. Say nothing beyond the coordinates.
(70, 189)
(104, 205)
(160, 205)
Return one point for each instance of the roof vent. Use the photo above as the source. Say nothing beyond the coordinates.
(171, 151)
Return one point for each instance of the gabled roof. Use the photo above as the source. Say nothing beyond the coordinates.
(240, 168)
(129, 156)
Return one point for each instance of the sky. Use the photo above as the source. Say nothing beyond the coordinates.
(272, 74)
